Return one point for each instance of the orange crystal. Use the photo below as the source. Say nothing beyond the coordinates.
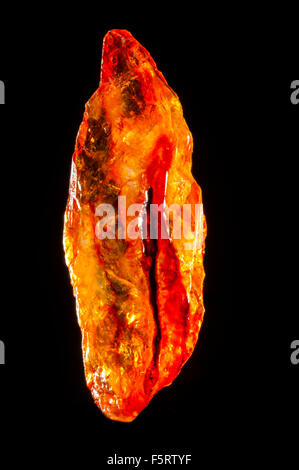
(139, 301)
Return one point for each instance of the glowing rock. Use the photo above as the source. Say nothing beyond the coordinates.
(139, 301)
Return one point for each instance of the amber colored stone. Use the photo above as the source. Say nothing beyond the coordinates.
(139, 302)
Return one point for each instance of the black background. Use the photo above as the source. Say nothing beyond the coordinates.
(236, 400)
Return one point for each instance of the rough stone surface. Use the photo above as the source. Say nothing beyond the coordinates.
(139, 302)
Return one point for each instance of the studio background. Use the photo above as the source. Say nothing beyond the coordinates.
(238, 385)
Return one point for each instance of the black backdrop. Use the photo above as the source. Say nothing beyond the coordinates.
(238, 391)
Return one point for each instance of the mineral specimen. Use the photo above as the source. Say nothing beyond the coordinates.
(138, 298)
